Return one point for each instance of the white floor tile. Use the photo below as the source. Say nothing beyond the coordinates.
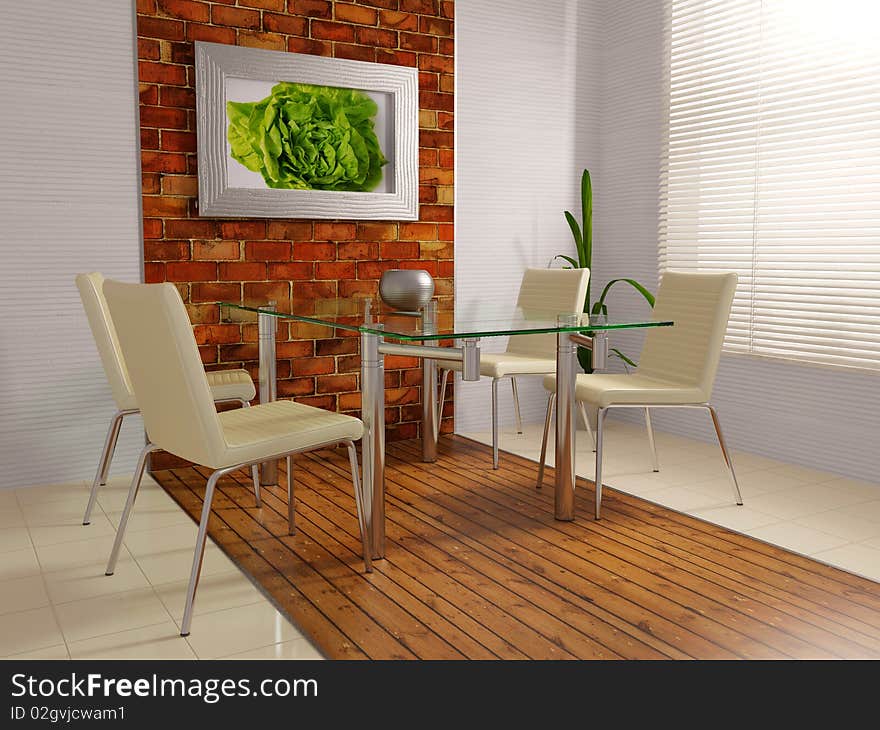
(52, 493)
(159, 641)
(864, 510)
(735, 517)
(22, 594)
(29, 630)
(684, 500)
(11, 516)
(59, 651)
(837, 522)
(89, 551)
(235, 630)
(8, 500)
(215, 593)
(296, 649)
(856, 558)
(19, 564)
(89, 581)
(800, 539)
(14, 538)
(110, 614)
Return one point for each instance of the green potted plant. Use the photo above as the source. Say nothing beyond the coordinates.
(583, 242)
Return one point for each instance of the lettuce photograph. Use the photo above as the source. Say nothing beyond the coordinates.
(306, 137)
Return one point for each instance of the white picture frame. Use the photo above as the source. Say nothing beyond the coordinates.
(225, 191)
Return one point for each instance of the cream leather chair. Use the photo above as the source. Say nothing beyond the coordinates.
(179, 415)
(227, 386)
(543, 294)
(677, 367)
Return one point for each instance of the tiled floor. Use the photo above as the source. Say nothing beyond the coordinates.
(827, 517)
(56, 602)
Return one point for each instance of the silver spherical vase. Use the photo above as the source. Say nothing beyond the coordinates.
(406, 290)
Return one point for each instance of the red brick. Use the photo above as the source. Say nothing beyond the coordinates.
(380, 3)
(446, 268)
(435, 176)
(162, 161)
(397, 58)
(258, 292)
(174, 141)
(357, 250)
(418, 232)
(154, 273)
(161, 73)
(152, 228)
(422, 263)
(295, 348)
(435, 26)
(215, 291)
(447, 8)
(267, 251)
(374, 269)
(298, 270)
(377, 231)
(446, 158)
(180, 185)
(418, 42)
(428, 81)
(150, 181)
(150, 141)
(350, 402)
(171, 30)
(422, 7)
(146, 6)
(166, 250)
(393, 362)
(242, 271)
(310, 8)
(314, 290)
(289, 230)
(182, 53)
(239, 352)
(445, 120)
(401, 396)
(321, 29)
(191, 271)
(336, 346)
(354, 53)
(433, 138)
(439, 64)
(447, 83)
(296, 387)
(355, 14)
(446, 232)
(243, 229)
(335, 270)
(185, 10)
(235, 17)
(165, 118)
(307, 45)
(307, 251)
(217, 334)
(313, 366)
(210, 33)
(353, 288)
(215, 250)
(176, 96)
(191, 229)
(335, 231)
(256, 39)
(376, 37)
(446, 46)
(434, 100)
(440, 213)
(289, 24)
(264, 4)
(337, 383)
(327, 402)
(399, 249)
(148, 49)
(401, 21)
(148, 94)
(158, 206)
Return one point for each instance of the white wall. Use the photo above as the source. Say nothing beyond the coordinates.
(609, 66)
(526, 124)
(69, 202)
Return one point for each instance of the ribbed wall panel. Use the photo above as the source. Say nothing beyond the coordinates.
(69, 202)
(527, 123)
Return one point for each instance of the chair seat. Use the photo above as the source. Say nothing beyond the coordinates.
(280, 427)
(502, 364)
(603, 390)
(231, 385)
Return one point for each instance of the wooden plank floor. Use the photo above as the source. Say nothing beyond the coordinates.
(477, 568)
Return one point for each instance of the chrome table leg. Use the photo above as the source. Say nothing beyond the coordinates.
(565, 425)
(430, 421)
(267, 326)
(373, 440)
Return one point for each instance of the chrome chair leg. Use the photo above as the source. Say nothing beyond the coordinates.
(444, 377)
(104, 464)
(586, 420)
(291, 507)
(516, 404)
(550, 401)
(359, 502)
(600, 428)
(199, 553)
(650, 428)
(129, 503)
(736, 493)
(255, 469)
(494, 423)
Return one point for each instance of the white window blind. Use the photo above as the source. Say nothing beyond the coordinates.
(772, 169)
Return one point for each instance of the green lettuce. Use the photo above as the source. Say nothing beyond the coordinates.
(308, 137)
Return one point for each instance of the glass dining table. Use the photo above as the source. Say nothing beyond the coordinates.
(386, 331)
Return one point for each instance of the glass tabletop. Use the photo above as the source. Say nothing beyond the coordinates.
(474, 319)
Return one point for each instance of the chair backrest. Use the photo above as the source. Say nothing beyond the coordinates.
(689, 351)
(544, 294)
(166, 371)
(104, 333)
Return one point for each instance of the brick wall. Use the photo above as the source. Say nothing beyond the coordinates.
(253, 259)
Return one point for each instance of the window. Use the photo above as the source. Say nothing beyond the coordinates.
(772, 169)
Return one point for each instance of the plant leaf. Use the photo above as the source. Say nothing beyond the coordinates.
(623, 357)
(587, 213)
(633, 283)
(569, 259)
(578, 239)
